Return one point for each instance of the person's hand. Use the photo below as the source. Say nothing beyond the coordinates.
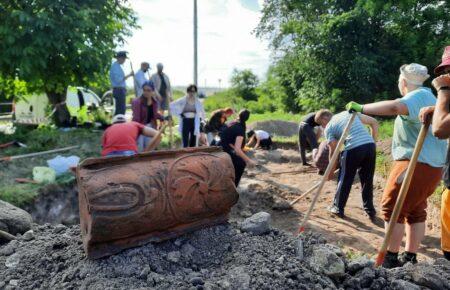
(354, 107)
(425, 113)
(251, 163)
(441, 81)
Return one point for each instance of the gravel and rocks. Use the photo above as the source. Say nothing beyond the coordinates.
(14, 220)
(220, 257)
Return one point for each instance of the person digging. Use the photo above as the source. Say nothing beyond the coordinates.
(441, 129)
(359, 155)
(428, 169)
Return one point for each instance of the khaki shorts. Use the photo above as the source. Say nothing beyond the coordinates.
(424, 182)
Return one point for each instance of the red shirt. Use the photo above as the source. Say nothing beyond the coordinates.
(121, 137)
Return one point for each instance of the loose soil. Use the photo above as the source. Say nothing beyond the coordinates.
(356, 234)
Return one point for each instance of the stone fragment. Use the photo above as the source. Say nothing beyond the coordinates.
(257, 224)
(324, 259)
(15, 219)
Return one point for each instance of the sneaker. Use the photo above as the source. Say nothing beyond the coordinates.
(335, 211)
(391, 261)
(407, 257)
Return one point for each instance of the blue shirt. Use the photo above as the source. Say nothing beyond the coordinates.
(117, 76)
(357, 136)
(406, 131)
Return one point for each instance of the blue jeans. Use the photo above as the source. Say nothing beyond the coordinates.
(121, 153)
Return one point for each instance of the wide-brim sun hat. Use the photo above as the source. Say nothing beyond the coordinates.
(445, 62)
(414, 73)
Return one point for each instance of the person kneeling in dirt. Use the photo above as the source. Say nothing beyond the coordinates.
(232, 140)
(121, 137)
(307, 138)
(358, 156)
(428, 170)
(441, 129)
(213, 126)
(261, 138)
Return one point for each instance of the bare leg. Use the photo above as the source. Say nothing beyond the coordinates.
(396, 238)
(414, 236)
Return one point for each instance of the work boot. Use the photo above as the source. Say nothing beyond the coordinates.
(391, 260)
(407, 257)
(336, 211)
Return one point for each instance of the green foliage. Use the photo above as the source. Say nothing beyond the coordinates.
(176, 94)
(223, 99)
(20, 194)
(52, 44)
(331, 52)
(244, 82)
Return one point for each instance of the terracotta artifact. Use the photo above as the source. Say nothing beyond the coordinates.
(129, 201)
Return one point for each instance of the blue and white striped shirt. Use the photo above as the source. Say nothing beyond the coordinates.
(357, 136)
(117, 76)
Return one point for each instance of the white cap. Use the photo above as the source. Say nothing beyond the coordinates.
(414, 73)
(120, 118)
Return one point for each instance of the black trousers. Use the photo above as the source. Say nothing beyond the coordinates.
(362, 160)
(306, 139)
(188, 132)
(266, 143)
(239, 167)
(119, 94)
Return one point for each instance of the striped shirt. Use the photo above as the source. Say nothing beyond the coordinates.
(358, 134)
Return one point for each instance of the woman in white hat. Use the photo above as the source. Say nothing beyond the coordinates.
(427, 173)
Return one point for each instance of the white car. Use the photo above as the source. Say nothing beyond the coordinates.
(34, 109)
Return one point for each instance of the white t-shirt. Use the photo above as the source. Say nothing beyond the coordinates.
(262, 135)
(140, 78)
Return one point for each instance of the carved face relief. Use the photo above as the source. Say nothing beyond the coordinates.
(196, 186)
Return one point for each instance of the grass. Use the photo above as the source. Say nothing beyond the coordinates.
(282, 116)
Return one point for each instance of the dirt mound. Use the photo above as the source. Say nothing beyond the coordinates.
(219, 257)
(276, 128)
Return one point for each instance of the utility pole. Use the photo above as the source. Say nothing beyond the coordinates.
(195, 44)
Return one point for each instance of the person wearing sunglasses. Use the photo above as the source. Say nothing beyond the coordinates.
(145, 111)
(190, 112)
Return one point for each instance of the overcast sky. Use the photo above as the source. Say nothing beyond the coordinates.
(225, 39)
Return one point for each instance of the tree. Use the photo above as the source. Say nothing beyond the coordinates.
(244, 82)
(52, 44)
(330, 52)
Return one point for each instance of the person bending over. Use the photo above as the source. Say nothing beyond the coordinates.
(121, 137)
(307, 138)
(232, 140)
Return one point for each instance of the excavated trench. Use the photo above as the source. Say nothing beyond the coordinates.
(55, 204)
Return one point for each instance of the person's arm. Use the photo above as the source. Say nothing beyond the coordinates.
(156, 135)
(238, 149)
(383, 108)
(441, 116)
(318, 133)
(372, 122)
(332, 146)
(257, 142)
(250, 141)
(136, 110)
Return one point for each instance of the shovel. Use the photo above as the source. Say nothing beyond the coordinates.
(330, 167)
(403, 192)
(153, 143)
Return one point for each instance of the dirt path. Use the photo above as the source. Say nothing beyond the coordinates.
(356, 233)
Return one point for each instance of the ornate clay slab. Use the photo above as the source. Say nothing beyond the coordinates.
(129, 201)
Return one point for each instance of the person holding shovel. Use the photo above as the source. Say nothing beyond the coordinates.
(441, 129)
(118, 78)
(359, 155)
(427, 171)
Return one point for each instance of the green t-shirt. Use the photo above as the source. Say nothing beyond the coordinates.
(406, 131)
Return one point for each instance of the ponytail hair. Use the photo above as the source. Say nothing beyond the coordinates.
(244, 115)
